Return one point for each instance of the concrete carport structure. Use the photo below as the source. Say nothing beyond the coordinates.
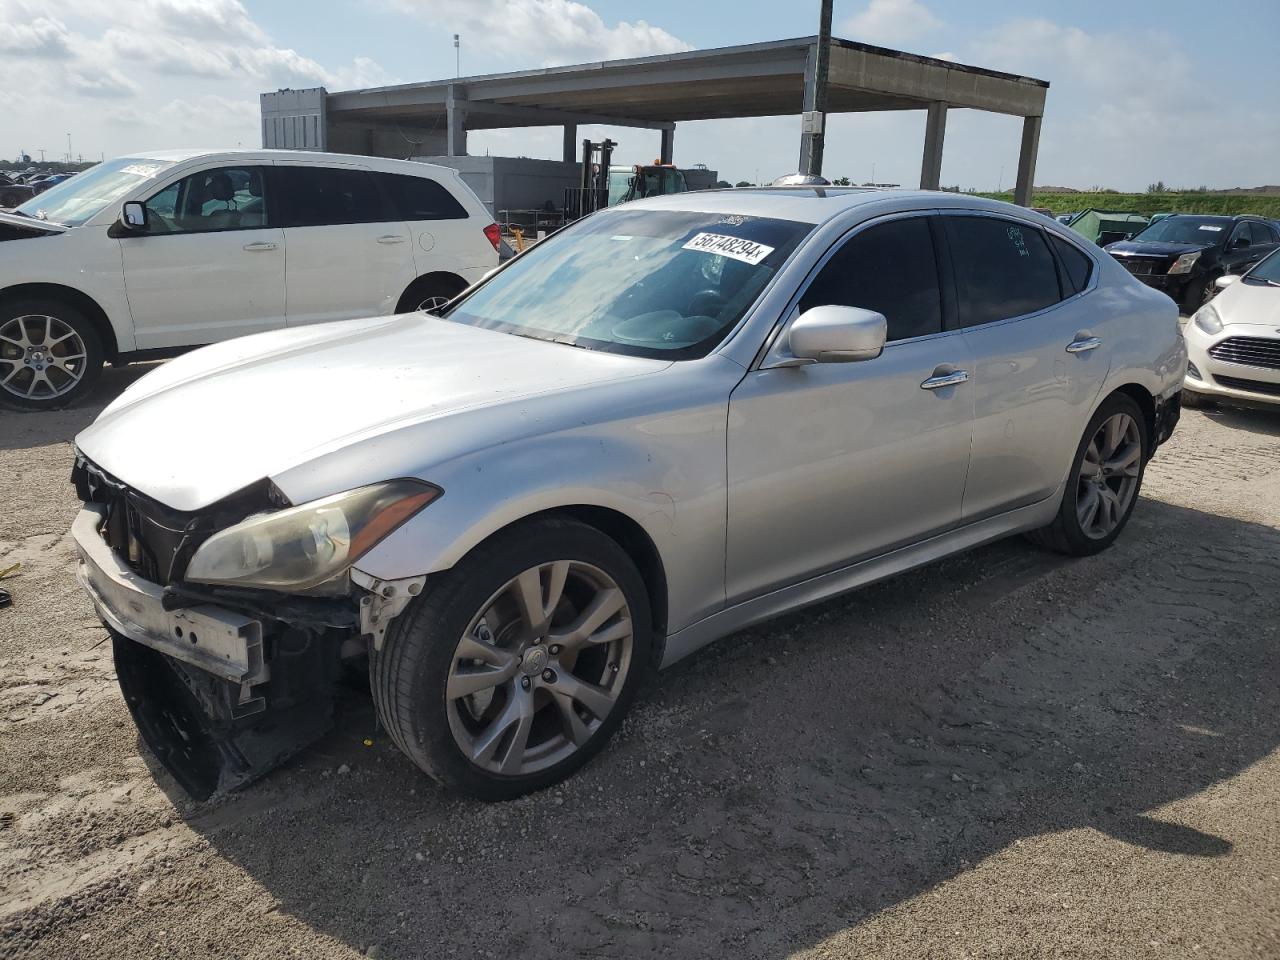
(755, 80)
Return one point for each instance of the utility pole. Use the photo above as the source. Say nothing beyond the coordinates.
(68, 148)
(813, 136)
(42, 154)
(457, 54)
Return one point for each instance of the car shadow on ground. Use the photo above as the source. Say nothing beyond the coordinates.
(1263, 420)
(797, 778)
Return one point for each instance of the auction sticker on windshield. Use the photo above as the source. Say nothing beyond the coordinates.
(748, 251)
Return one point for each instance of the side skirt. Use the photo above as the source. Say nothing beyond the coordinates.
(815, 590)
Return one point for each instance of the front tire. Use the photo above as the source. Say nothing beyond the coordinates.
(50, 353)
(1195, 401)
(511, 670)
(1106, 476)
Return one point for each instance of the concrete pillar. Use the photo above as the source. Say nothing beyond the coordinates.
(1027, 161)
(456, 117)
(570, 143)
(935, 131)
(667, 150)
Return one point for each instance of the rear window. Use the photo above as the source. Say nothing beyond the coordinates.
(421, 198)
(1003, 269)
(1075, 265)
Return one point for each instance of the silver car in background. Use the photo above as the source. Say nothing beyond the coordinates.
(671, 420)
(1233, 341)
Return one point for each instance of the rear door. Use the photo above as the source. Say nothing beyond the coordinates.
(349, 254)
(210, 265)
(1041, 354)
(444, 237)
(1249, 242)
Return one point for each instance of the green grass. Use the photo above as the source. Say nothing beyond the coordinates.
(1149, 203)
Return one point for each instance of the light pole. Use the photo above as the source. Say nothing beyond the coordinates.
(457, 54)
(68, 148)
(813, 136)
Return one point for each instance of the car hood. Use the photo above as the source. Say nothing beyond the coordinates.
(1256, 304)
(212, 422)
(1149, 248)
(31, 224)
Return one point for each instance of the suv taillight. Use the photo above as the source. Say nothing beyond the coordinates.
(494, 233)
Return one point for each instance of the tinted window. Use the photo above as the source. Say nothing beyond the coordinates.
(316, 196)
(890, 269)
(419, 198)
(1265, 233)
(1075, 264)
(1242, 235)
(225, 198)
(1003, 269)
(1181, 228)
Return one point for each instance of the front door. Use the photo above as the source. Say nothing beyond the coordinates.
(350, 255)
(834, 462)
(210, 264)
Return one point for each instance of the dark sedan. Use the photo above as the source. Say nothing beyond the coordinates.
(1183, 254)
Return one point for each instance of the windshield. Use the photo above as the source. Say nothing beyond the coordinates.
(1204, 230)
(75, 201)
(647, 283)
(1268, 271)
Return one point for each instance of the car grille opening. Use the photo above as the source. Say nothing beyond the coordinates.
(1144, 266)
(1254, 386)
(1248, 351)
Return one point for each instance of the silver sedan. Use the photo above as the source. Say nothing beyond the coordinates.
(673, 419)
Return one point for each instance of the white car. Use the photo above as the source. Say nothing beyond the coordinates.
(672, 419)
(1233, 341)
(143, 256)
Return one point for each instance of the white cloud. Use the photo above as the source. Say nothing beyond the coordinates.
(40, 37)
(890, 22)
(552, 32)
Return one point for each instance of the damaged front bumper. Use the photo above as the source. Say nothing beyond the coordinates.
(220, 696)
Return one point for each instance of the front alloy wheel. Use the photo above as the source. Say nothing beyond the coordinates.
(49, 354)
(510, 670)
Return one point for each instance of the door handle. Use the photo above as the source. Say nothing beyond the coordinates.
(1085, 345)
(391, 238)
(260, 246)
(940, 380)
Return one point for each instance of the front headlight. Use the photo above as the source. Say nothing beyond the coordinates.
(1207, 320)
(302, 547)
(1185, 262)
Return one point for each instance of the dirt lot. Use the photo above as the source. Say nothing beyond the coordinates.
(1007, 754)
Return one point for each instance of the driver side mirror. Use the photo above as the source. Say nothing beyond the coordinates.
(1225, 281)
(133, 215)
(833, 334)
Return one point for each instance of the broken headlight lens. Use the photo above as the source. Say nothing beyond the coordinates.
(1185, 262)
(302, 547)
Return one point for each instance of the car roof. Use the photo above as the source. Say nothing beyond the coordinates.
(810, 204)
(314, 156)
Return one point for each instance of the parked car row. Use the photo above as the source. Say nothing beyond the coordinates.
(146, 256)
(17, 187)
(1184, 254)
(670, 420)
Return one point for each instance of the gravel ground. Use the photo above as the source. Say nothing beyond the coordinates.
(1007, 754)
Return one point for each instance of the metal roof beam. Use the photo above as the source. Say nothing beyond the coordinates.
(542, 116)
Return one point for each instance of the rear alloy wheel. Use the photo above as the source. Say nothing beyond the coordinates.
(510, 670)
(49, 354)
(1105, 479)
(431, 294)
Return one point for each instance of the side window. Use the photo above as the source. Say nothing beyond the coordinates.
(1003, 269)
(890, 268)
(323, 196)
(1074, 263)
(421, 198)
(1242, 236)
(225, 198)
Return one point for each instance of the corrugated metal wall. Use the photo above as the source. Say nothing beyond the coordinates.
(294, 119)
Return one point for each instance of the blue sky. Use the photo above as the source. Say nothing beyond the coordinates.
(1140, 91)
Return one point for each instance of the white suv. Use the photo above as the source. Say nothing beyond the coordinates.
(145, 256)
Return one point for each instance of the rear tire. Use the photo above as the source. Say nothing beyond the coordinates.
(1104, 483)
(495, 701)
(50, 353)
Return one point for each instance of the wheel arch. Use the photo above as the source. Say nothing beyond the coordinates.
(1146, 403)
(426, 280)
(77, 298)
